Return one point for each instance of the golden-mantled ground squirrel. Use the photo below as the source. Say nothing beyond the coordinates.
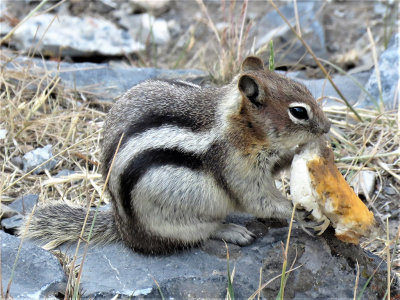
(189, 157)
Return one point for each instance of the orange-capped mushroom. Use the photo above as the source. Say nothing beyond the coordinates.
(318, 186)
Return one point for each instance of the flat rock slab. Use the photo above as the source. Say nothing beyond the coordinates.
(325, 268)
(37, 273)
(273, 27)
(107, 82)
(103, 81)
(350, 87)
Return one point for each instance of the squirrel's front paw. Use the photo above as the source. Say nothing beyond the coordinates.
(235, 234)
(302, 217)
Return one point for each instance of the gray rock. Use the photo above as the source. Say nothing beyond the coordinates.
(25, 204)
(388, 190)
(18, 162)
(6, 211)
(102, 80)
(36, 157)
(328, 268)
(145, 27)
(328, 271)
(389, 78)
(95, 36)
(11, 225)
(350, 88)
(280, 33)
(37, 274)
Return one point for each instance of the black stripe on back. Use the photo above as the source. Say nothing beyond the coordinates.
(214, 161)
(153, 120)
(150, 121)
(150, 159)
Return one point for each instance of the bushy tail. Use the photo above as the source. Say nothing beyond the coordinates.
(60, 223)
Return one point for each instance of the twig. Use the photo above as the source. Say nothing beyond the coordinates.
(387, 169)
(368, 156)
(210, 21)
(388, 258)
(357, 279)
(244, 14)
(86, 158)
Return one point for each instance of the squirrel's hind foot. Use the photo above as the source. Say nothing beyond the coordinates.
(235, 234)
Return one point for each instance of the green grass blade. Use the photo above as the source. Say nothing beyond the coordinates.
(271, 63)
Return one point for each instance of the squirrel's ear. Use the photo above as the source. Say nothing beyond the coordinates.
(249, 88)
(252, 63)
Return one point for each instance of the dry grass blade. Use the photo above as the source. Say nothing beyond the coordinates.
(271, 280)
(8, 35)
(357, 279)
(376, 64)
(259, 285)
(231, 40)
(388, 261)
(242, 26)
(285, 257)
(210, 21)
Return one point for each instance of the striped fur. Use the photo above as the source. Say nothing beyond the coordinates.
(192, 155)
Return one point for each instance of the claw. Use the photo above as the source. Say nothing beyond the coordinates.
(318, 226)
(323, 226)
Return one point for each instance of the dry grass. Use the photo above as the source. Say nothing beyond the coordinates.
(231, 40)
(36, 110)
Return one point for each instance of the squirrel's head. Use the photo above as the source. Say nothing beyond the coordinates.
(277, 108)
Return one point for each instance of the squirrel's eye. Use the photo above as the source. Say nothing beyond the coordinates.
(299, 112)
